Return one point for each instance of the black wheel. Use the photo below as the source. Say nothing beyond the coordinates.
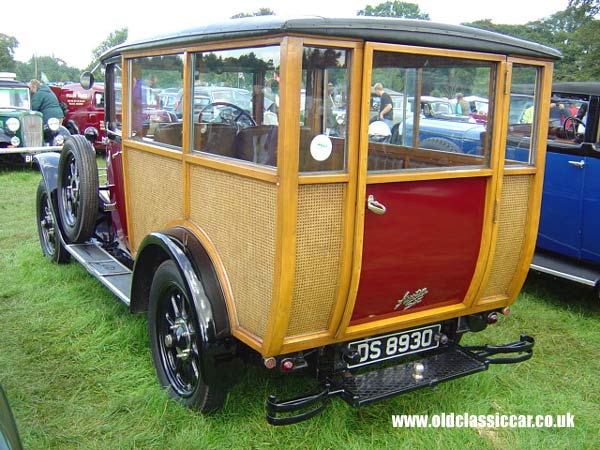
(440, 144)
(47, 229)
(77, 189)
(175, 341)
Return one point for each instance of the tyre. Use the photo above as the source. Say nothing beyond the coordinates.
(440, 144)
(77, 189)
(50, 242)
(176, 342)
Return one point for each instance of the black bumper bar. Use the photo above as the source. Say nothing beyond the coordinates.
(452, 362)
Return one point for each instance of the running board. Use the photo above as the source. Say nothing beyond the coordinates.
(105, 267)
(564, 268)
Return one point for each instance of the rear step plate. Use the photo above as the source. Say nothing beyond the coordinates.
(371, 386)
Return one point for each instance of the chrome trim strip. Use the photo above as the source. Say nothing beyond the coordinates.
(566, 276)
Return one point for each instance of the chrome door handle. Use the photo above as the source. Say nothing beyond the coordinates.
(375, 206)
(580, 164)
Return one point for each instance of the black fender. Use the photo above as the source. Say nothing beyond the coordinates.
(64, 131)
(219, 356)
(4, 137)
(71, 126)
(48, 165)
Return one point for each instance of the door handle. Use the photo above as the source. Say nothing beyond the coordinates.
(375, 206)
(580, 164)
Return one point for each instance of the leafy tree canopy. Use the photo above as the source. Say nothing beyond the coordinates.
(114, 38)
(572, 31)
(260, 12)
(8, 44)
(394, 9)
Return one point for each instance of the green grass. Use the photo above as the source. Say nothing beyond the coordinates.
(77, 369)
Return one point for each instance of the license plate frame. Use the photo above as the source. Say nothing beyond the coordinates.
(377, 349)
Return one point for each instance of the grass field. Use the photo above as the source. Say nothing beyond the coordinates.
(77, 370)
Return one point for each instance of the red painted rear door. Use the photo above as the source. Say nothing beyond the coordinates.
(421, 253)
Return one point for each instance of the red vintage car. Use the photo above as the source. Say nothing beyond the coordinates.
(84, 111)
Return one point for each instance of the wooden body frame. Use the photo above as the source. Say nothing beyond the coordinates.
(287, 181)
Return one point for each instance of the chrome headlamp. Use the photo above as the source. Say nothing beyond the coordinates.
(13, 124)
(53, 123)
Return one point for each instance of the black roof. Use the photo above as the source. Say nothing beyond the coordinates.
(378, 29)
(577, 87)
(13, 84)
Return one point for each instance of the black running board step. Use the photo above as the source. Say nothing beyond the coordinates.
(564, 268)
(105, 267)
(376, 385)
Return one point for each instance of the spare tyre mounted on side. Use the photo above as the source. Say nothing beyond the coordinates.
(77, 189)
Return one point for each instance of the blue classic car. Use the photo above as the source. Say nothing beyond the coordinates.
(440, 128)
(568, 244)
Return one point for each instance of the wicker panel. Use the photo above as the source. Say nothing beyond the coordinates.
(238, 214)
(511, 233)
(318, 257)
(153, 205)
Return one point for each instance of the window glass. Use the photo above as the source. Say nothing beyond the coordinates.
(114, 91)
(324, 109)
(522, 115)
(151, 76)
(429, 112)
(568, 118)
(235, 110)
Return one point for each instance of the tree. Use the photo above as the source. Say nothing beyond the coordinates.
(572, 31)
(260, 12)
(394, 9)
(8, 44)
(114, 38)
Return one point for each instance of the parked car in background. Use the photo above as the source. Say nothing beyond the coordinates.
(568, 244)
(84, 111)
(22, 131)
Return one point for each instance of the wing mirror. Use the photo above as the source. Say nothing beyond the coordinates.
(86, 80)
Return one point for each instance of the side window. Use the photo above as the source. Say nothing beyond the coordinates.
(568, 118)
(522, 115)
(114, 91)
(324, 109)
(99, 99)
(429, 112)
(149, 77)
(235, 110)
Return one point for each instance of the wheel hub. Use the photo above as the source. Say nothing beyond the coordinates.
(180, 338)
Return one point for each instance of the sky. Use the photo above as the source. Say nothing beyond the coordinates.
(70, 31)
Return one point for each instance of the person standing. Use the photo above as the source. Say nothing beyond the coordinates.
(386, 107)
(462, 106)
(44, 101)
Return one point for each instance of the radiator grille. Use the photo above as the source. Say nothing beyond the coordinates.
(32, 130)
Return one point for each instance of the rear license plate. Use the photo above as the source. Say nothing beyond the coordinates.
(382, 348)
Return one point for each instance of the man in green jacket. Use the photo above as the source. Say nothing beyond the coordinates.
(44, 101)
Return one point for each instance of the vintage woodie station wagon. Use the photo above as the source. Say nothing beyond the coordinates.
(274, 231)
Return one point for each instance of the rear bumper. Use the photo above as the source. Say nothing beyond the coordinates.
(441, 365)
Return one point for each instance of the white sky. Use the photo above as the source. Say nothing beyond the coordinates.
(70, 31)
